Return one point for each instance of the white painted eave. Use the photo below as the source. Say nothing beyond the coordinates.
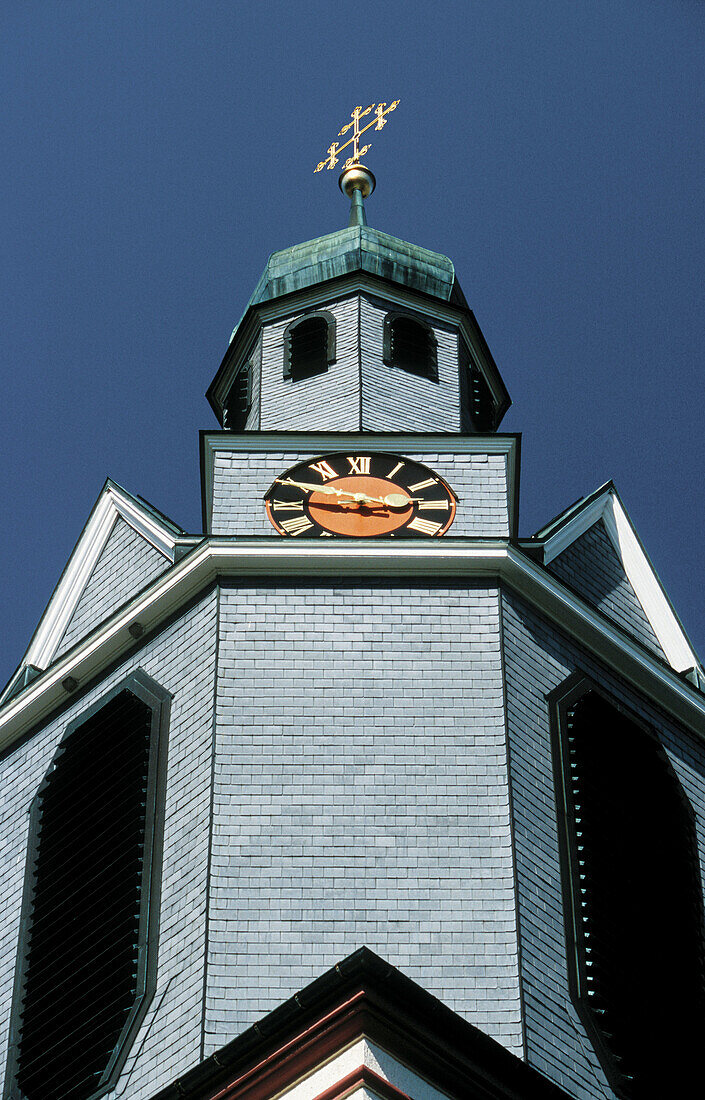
(461, 559)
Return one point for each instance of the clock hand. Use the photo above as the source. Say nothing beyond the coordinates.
(392, 500)
(398, 500)
(330, 490)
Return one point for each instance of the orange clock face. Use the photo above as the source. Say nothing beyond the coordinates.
(360, 495)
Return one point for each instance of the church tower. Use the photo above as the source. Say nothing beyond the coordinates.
(356, 792)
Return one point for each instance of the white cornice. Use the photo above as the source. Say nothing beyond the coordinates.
(112, 503)
(274, 558)
(638, 568)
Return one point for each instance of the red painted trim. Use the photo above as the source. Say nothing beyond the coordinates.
(297, 1057)
(366, 1014)
(363, 1075)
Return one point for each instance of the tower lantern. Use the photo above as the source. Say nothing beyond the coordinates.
(355, 792)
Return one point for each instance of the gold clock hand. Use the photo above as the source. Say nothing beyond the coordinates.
(392, 500)
(330, 490)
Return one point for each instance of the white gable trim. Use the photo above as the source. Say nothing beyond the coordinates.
(574, 528)
(639, 570)
(111, 504)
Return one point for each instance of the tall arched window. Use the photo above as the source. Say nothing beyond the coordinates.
(309, 345)
(87, 950)
(633, 897)
(410, 344)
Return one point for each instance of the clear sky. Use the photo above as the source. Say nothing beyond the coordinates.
(155, 154)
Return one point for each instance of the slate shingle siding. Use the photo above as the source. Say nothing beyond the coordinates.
(395, 400)
(538, 659)
(592, 566)
(240, 481)
(127, 563)
(181, 659)
(324, 402)
(358, 390)
(361, 798)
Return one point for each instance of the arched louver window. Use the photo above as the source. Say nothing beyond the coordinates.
(411, 345)
(478, 405)
(635, 931)
(309, 345)
(86, 973)
(239, 400)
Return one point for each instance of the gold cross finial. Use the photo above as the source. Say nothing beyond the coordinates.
(380, 110)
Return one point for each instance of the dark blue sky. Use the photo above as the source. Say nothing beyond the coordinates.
(154, 154)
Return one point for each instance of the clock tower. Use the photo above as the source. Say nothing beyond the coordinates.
(356, 792)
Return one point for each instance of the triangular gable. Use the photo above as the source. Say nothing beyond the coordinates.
(126, 564)
(592, 566)
(119, 522)
(638, 602)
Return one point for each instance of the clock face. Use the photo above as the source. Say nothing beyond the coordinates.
(359, 495)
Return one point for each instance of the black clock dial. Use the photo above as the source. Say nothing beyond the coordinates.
(360, 494)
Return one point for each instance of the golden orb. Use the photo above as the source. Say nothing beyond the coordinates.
(357, 178)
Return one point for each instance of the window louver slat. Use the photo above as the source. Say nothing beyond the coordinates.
(128, 866)
(107, 950)
(81, 975)
(637, 898)
(308, 347)
(411, 346)
(239, 400)
(68, 837)
(482, 405)
(92, 1032)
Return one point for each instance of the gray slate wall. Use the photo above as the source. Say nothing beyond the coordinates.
(361, 797)
(127, 564)
(241, 480)
(394, 400)
(537, 660)
(359, 390)
(592, 566)
(181, 658)
(325, 402)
